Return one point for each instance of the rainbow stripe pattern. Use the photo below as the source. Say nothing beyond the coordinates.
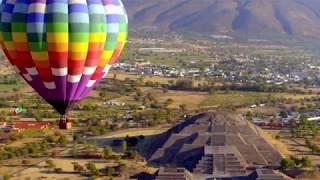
(63, 48)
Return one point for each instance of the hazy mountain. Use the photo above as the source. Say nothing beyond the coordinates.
(255, 18)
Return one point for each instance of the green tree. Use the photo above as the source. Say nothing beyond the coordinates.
(287, 163)
(50, 164)
(63, 140)
(133, 154)
(37, 116)
(51, 139)
(117, 158)
(102, 94)
(91, 167)
(124, 146)
(110, 171)
(284, 114)
(249, 116)
(74, 151)
(184, 84)
(77, 138)
(168, 102)
(306, 162)
(107, 152)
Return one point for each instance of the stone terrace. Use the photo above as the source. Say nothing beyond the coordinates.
(215, 145)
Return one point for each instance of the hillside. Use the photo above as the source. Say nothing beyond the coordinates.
(249, 18)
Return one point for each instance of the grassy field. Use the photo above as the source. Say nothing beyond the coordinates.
(65, 164)
(234, 99)
(136, 132)
(123, 76)
(5, 70)
(189, 98)
(8, 87)
(195, 100)
(162, 80)
(246, 98)
(260, 110)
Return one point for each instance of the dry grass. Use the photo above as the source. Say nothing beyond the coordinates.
(122, 76)
(246, 98)
(65, 164)
(293, 96)
(39, 171)
(163, 80)
(195, 100)
(5, 170)
(281, 147)
(22, 142)
(136, 132)
(191, 99)
(233, 99)
(298, 147)
(6, 70)
(261, 110)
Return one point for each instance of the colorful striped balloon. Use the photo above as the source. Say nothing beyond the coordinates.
(63, 48)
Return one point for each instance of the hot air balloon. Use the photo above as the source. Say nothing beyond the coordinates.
(62, 48)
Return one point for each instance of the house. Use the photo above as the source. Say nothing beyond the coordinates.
(23, 125)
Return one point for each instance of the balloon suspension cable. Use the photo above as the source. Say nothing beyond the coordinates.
(62, 117)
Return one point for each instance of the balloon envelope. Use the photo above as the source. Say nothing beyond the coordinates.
(62, 48)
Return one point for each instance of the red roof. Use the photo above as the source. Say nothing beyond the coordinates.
(30, 125)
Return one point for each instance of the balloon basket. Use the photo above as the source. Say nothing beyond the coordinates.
(65, 123)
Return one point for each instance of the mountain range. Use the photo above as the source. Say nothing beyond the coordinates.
(248, 18)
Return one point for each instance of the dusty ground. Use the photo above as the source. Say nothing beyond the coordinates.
(289, 146)
(65, 164)
(269, 136)
(196, 100)
(135, 132)
(298, 146)
(5, 70)
(260, 110)
(189, 98)
(40, 171)
(123, 76)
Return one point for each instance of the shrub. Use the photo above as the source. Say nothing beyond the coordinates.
(92, 168)
(107, 152)
(287, 163)
(306, 162)
(110, 171)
